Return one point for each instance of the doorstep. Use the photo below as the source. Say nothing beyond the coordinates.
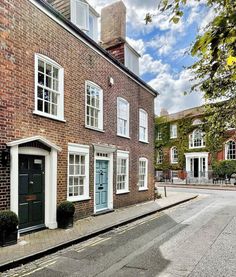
(103, 212)
(36, 245)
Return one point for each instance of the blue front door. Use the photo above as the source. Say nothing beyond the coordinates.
(101, 185)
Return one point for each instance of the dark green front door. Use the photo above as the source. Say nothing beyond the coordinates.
(31, 191)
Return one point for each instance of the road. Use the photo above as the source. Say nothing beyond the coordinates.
(197, 238)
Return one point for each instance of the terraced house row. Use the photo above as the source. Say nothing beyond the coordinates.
(76, 120)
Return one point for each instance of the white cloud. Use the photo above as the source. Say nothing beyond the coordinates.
(211, 13)
(149, 65)
(163, 44)
(172, 88)
(138, 45)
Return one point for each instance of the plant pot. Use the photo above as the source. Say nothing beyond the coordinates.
(65, 222)
(8, 237)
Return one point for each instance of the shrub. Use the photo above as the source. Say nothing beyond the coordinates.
(8, 221)
(224, 168)
(66, 208)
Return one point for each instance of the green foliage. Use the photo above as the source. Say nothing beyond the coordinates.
(8, 221)
(66, 208)
(184, 129)
(215, 69)
(224, 168)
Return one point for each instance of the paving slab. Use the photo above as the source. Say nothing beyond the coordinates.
(38, 244)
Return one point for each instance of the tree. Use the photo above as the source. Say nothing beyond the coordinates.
(215, 69)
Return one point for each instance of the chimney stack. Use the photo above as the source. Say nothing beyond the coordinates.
(164, 112)
(113, 22)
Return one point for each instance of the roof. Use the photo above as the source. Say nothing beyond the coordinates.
(196, 111)
(93, 44)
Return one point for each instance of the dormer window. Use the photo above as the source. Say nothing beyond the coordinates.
(132, 59)
(85, 18)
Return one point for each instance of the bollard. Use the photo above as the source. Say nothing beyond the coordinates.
(165, 191)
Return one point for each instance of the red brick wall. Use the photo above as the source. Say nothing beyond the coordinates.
(34, 32)
(7, 91)
(118, 51)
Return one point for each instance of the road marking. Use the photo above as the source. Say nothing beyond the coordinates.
(100, 240)
(37, 269)
(50, 260)
(141, 223)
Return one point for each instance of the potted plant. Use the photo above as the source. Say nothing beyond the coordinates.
(8, 228)
(65, 214)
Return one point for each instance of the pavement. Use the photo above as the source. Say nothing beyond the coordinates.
(38, 244)
(198, 186)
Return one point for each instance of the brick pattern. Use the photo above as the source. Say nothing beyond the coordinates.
(7, 90)
(30, 31)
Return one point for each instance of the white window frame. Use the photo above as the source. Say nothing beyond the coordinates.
(123, 155)
(227, 145)
(119, 100)
(192, 139)
(173, 131)
(160, 156)
(173, 152)
(142, 111)
(74, 14)
(159, 135)
(60, 92)
(100, 113)
(93, 33)
(197, 121)
(79, 149)
(131, 59)
(145, 187)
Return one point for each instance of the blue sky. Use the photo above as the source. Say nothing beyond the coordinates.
(164, 47)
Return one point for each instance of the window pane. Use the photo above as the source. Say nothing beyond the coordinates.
(76, 191)
(40, 105)
(40, 92)
(40, 66)
(55, 84)
(54, 109)
(48, 82)
(46, 107)
(48, 69)
(41, 78)
(71, 169)
(55, 73)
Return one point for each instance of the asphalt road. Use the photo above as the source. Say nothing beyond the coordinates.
(194, 239)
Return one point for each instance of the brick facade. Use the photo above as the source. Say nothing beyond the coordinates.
(26, 30)
(168, 168)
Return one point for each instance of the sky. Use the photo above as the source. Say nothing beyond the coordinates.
(164, 48)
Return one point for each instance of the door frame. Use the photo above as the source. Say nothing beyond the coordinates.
(50, 219)
(198, 155)
(108, 150)
(108, 172)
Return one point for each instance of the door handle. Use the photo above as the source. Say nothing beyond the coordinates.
(31, 182)
(100, 188)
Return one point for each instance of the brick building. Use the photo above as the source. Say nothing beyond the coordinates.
(76, 123)
(183, 153)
